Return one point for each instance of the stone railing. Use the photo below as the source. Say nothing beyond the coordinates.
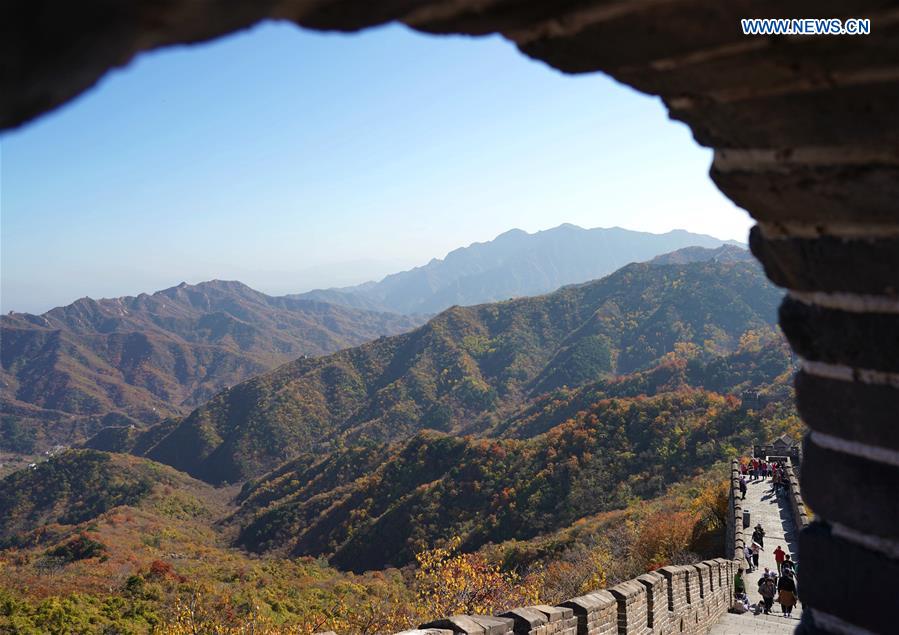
(734, 540)
(797, 505)
(673, 599)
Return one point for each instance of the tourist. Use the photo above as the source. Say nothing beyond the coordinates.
(786, 595)
(779, 556)
(741, 600)
(758, 535)
(787, 567)
(739, 584)
(767, 589)
(742, 487)
(756, 550)
(747, 552)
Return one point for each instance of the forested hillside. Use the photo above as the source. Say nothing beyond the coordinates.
(136, 360)
(542, 446)
(577, 453)
(463, 371)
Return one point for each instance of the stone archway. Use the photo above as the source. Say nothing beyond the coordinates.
(806, 137)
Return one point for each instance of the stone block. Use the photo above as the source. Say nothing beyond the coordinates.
(590, 603)
(527, 620)
(456, 624)
(853, 491)
(806, 194)
(850, 410)
(627, 590)
(493, 625)
(700, 579)
(844, 579)
(554, 613)
(841, 337)
(656, 600)
(819, 264)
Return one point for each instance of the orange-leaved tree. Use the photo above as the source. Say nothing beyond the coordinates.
(448, 583)
(663, 538)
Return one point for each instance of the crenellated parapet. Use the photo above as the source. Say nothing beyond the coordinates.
(797, 505)
(674, 599)
(734, 539)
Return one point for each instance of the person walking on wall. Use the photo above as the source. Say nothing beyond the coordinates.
(779, 556)
(775, 481)
(788, 567)
(758, 535)
(767, 589)
(747, 552)
(786, 594)
(742, 487)
(756, 550)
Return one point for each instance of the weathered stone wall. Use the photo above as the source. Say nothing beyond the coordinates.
(797, 505)
(734, 540)
(675, 599)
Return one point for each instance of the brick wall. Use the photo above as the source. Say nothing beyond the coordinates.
(797, 505)
(675, 599)
(735, 541)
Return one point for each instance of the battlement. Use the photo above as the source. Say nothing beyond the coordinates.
(674, 599)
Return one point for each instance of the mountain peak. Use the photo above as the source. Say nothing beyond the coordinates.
(514, 264)
(511, 233)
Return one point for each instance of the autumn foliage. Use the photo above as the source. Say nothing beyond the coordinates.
(448, 583)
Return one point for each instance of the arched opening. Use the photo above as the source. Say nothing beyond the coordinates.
(805, 135)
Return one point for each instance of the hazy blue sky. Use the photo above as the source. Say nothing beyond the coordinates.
(290, 159)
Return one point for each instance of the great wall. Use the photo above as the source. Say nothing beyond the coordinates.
(692, 599)
(804, 133)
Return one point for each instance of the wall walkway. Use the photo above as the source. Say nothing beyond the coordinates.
(692, 599)
(778, 516)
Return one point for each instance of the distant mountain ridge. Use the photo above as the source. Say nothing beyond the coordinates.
(142, 358)
(514, 264)
(724, 253)
(463, 371)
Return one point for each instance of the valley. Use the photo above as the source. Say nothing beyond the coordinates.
(134, 361)
(538, 438)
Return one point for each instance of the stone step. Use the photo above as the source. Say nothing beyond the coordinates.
(749, 624)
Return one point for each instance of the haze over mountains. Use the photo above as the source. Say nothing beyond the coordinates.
(514, 264)
(139, 359)
(462, 372)
(136, 360)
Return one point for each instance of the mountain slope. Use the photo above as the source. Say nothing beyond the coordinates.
(586, 451)
(514, 264)
(76, 486)
(464, 370)
(139, 359)
(724, 253)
